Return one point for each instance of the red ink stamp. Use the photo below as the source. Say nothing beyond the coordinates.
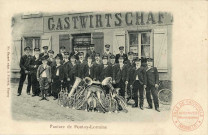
(187, 115)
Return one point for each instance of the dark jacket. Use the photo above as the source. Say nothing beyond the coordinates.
(114, 72)
(47, 70)
(34, 64)
(96, 70)
(61, 71)
(105, 72)
(92, 54)
(121, 74)
(75, 55)
(81, 69)
(73, 71)
(152, 76)
(24, 63)
(140, 72)
(52, 62)
(124, 56)
(89, 72)
(67, 69)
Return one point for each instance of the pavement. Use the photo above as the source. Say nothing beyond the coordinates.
(28, 108)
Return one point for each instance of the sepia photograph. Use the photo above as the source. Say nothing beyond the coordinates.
(91, 66)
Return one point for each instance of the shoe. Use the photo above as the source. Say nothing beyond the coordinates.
(33, 95)
(157, 109)
(28, 93)
(134, 106)
(54, 98)
(41, 99)
(46, 99)
(18, 94)
(141, 107)
(95, 109)
(149, 107)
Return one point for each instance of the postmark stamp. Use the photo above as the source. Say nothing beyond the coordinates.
(187, 115)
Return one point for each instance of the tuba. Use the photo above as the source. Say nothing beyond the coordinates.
(88, 81)
(74, 87)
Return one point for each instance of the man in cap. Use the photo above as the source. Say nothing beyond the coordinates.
(121, 76)
(45, 51)
(138, 81)
(152, 84)
(121, 54)
(75, 53)
(89, 72)
(113, 67)
(57, 76)
(82, 66)
(66, 66)
(107, 52)
(51, 60)
(91, 53)
(62, 50)
(34, 64)
(96, 68)
(44, 76)
(24, 65)
(73, 70)
(130, 65)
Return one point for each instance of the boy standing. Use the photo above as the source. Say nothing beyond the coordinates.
(44, 76)
(152, 84)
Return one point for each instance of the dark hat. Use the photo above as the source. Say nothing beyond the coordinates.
(66, 53)
(27, 48)
(137, 59)
(130, 53)
(105, 57)
(92, 45)
(51, 51)
(121, 47)
(59, 56)
(121, 57)
(97, 54)
(81, 54)
(107, 46)
(62, 47)
(36, 49)
(149, 59)
(112, 57)
(45, 57)
(45, 47)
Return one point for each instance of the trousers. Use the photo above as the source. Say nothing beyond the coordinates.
(152, 90)
(21, 82)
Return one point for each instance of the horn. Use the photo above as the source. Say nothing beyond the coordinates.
(88, 80)
(107, 81)
(74, 87)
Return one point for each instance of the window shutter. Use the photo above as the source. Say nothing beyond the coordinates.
(118, 40)
(46, 41)
(98, 40)
(16, 54)
(160, 49)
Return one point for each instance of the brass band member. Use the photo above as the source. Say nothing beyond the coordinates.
(96, 69)
(121, 54)
(91, 53)
(89, 72)
(45, 51)
(152, 84)
(51, 60)
(66, 66)
(81, 66)
(75, 53)
(107, 52)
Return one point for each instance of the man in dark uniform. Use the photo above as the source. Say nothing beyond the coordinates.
(89, 72)
(73, 70)
(66, 66)
(121, 76)
(152, 84)
(81, 66)
(121, 54)
(113, 67)
(51, 60)
(34, 64)
(45, 51)
(138, 81)
(24, 65)
(62, 51)
(57, 76)
(91, 53)
(96, 68)
(107, 52)
(75, 53)
(130, 66)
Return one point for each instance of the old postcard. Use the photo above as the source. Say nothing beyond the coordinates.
(104, 67)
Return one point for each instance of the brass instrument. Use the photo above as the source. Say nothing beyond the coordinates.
(74, 87)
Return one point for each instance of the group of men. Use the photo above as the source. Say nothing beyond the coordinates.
(46, 74)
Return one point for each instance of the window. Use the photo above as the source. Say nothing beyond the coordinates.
(140, 44)
(32, 42)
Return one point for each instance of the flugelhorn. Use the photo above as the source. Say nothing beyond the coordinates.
(74, 87)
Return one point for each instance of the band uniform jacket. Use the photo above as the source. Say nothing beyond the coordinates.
(130, 67)
(34, 64)
(107, 54)
(113, 67)
(67, 68)
(75, 55)
(47, 70)
(61, 71)
(24, 63)
(81, 69)
(125, 57)
(89, 72)
(105, 72)
(152, 76)
(96, 70)
(92, 54)
(140, 72)
(73, 71)
(120, 74)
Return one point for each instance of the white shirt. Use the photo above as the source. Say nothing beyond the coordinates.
(57, 71)
(89, 64)
(44, 72)
(121, 66)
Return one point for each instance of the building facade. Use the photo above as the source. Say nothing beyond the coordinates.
(147, 34)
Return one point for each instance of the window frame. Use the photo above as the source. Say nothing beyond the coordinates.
(33, 43)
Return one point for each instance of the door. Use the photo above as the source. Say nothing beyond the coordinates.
(98, 40)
